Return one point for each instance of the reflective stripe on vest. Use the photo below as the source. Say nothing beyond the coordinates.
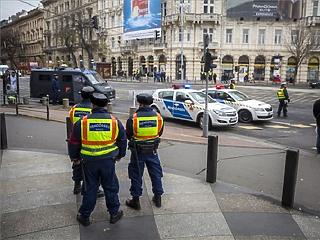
(76, 113)
(146, 128)
(280, 94)
(98, 136)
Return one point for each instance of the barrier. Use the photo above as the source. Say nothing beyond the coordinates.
(212, 159)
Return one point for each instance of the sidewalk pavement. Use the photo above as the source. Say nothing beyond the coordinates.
(37, 202)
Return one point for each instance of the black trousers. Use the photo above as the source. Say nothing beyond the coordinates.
(282, 106)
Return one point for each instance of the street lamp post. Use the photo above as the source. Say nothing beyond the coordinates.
(182, 6)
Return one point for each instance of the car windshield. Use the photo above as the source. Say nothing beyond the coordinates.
(200, 97)
(95, 78)
(238, 96)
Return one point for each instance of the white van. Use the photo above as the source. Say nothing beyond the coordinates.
(3, 69)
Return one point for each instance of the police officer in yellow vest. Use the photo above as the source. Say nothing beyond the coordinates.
(232, 84)
(143, 130)
(98, 140)
(283, 98)
(76, 113)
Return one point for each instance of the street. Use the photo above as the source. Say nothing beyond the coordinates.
(298, 130)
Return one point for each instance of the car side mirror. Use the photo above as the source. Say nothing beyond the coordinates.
(188, 101)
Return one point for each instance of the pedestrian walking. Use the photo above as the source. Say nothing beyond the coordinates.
(215, 78)
(55, 87)
(98, 140)
(316, 114)
(143, 131)
(13, 82)
(284, 99)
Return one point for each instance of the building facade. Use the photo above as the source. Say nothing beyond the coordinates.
(69, 37)
(23, 38)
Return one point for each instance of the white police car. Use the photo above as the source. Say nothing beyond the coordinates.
(248, 109)
(189, 104)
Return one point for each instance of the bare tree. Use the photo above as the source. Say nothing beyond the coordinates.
(69, 40)
(10, 41)
(303, 40)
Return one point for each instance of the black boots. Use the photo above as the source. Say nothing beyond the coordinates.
(157, 200)
(134, 203)
(84, 221)
(77, 187)
(116, 217)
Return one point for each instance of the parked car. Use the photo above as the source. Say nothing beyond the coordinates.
(248, 109)
(188, 104)
(314, 84)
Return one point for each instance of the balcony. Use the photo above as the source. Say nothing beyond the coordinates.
(212, 45)
(128, 49)
(193, 17)
(313, 20)
(159, 46)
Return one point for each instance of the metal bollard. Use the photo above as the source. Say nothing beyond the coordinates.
(109, 107)
(4, 142)
(132, 110)
(44, 100)
(290, 177)
(212, 159)
(69, 127)
(65, 102)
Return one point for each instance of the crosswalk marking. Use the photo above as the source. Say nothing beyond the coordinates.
(277, 126)
(250, 127)
(313, 124)
(300, 126)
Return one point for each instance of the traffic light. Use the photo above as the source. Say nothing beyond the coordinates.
(156, 34)
(208, 62)
(94, 22)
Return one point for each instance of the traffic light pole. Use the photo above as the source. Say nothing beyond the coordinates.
(205, 127)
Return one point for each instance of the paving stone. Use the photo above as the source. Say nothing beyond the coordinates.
(142, 228)
(236, 202)
(100, 212)
(266, 224)
(38, 219)
(192, 225)
(65, 233)
(21, 201)
(222, 187)
(204, 238)
(38, 183)
(310, 225)
(268, 238)
(187, 203)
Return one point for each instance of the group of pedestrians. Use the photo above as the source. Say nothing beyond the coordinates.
(98, 140)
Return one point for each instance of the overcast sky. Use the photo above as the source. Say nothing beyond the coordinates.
(11, 7)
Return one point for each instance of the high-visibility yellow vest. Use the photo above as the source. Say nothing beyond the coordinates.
(146, 128)
(76, 113)
(232, 86)
(98, 136)
(280, 94)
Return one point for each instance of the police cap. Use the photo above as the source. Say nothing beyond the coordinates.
(144, 98)
(283, 84)
(99, 99)
(86, 92)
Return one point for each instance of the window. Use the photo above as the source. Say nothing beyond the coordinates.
(61, 8)
(44, 77)
(166, 95)
(67, 6)
(112, 21)
(188, 35)
(277, 36)
(164, 9)
(228, 35)
(245, 36)
(73, 4)
(112, 42)
(181, 97)
(66, 78)
(261, 36)
(180, 34)
(210, 32)
(315, 7)
(164, 36)
(294, 36)
(208, 6)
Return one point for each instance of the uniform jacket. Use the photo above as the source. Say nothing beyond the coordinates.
(74, 143)
(316, 111)
(129, 125)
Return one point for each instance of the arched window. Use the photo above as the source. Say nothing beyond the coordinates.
(313, 69)
(227, 68)
(259, 68)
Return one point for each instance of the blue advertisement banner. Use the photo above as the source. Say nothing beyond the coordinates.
(141, 18)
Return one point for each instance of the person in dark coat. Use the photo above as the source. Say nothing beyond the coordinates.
(55, 85)
(316, 114)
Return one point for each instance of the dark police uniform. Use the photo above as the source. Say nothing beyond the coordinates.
(283, 98)
(144, 130)
(76, 113)
(99, 139)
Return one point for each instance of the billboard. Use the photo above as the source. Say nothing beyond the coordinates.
(141, 18)
(265, 9)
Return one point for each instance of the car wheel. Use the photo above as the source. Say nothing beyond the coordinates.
(201, 121)
(245, 116)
